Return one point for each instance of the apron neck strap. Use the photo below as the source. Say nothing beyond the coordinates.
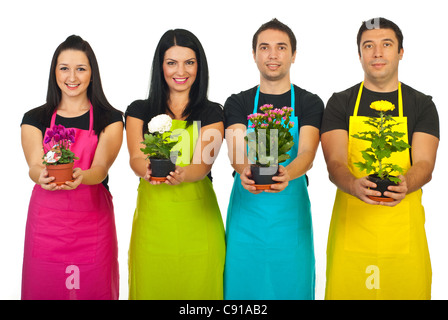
(53, 118)
(293, 100)
(400, 100)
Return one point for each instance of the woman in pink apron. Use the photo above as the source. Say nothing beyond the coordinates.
(70, 241)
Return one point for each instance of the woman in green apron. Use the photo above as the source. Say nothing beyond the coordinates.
(177, 244)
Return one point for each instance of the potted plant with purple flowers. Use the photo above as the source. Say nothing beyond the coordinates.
(158, 147)
(269, 142)
(58, 158)
(383, 143)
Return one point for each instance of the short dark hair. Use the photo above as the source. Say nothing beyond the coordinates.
(159, 91)
(275, 25)
(379, 23)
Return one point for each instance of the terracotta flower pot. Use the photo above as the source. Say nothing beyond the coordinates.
(263, 176)
(161, 168)
(381, 186)
(61, 172)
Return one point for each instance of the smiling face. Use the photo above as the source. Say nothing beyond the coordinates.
(73, 73)
(274, 55)
(180, 68)
(380, 57)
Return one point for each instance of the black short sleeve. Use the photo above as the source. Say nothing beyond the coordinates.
(418, 108)
(212, 113)
(34, 117)
(238, 106)
(427, 119)
(139, 109)
(308, 106)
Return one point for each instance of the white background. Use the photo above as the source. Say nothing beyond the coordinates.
(124, 35)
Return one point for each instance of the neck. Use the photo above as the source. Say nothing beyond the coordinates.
(275, 86)
(381, 86)
(74, 105)
(177, 103)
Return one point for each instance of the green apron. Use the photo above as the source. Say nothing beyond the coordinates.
(177, 247)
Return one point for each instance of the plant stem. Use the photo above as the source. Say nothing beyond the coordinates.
(381, 133)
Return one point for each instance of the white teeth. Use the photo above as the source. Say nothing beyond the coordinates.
(72, 85)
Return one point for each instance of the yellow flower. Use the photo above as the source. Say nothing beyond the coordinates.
(382, 106)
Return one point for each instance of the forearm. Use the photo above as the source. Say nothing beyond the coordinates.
(300, 165)
(139, 166)
(196, 172)
(34, 172)
(94, 175)
(424, 152)
(418, 175)
(340, 175)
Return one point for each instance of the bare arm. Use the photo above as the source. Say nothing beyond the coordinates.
(32, 148)
(106, 152)
(237, 146)
(134, 137)
(109, 144)
(335, 149)
(207, 149)
(308, 144)
(424, 152)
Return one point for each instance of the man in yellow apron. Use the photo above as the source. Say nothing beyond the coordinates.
(378, 250)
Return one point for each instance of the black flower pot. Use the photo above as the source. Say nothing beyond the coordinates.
(161, 167)
(381, 186)
(263, 175)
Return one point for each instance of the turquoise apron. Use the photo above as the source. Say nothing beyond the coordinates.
(270, 252)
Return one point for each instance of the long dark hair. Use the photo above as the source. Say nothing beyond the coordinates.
(95, 91)
(159, 91)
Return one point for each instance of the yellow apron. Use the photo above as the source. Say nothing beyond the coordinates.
(377, 252)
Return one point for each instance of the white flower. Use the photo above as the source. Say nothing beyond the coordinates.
(160, 123)
(52, 157)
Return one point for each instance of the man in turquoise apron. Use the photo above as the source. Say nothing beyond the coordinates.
(378, 250)
(269, 236)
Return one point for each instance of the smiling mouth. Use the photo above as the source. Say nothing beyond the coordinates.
(273, 66)
(72, 86)
(180, 80)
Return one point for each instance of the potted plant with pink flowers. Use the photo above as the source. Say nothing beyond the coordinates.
(269, 141)
(58, 158)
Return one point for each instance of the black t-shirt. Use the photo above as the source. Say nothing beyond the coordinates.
(419, 109)
(211, 113)
(308, 106)
(140, 109)
(34, 116)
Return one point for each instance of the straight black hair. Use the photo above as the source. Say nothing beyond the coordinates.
(159, 91)
(95, 91)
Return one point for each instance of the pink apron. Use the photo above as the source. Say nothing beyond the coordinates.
(71, 247)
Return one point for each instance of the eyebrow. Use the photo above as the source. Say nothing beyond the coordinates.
(193, 58)
(386, 39)
(78, 65)
(278, 43)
